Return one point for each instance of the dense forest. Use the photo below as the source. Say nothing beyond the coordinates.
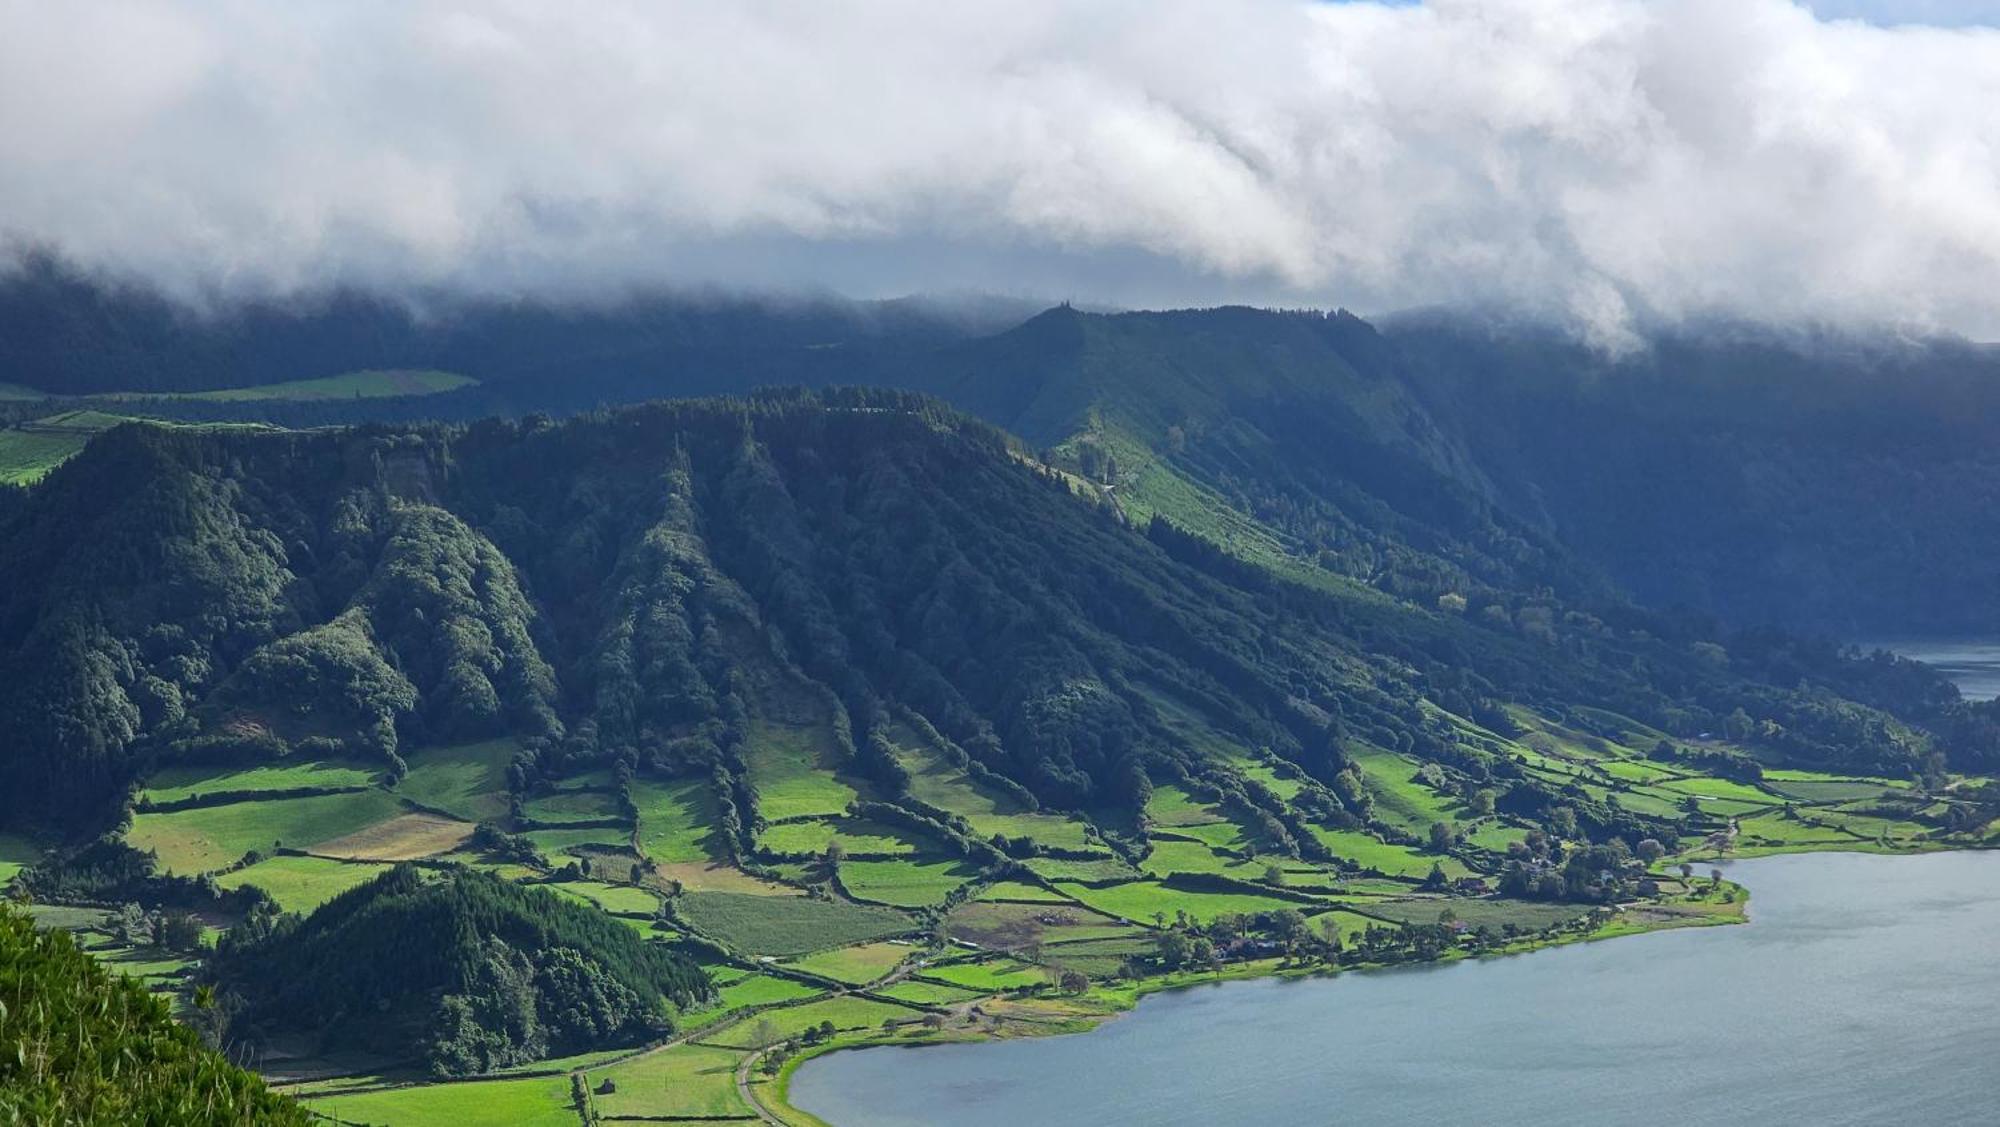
(604, 588)
(503, 974)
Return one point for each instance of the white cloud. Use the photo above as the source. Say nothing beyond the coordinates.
(1597, 159)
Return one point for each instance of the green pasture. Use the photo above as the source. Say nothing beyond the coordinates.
(466, 780)
(913, 883)
(859, 964)
(300, 884)
(206, 838)
(675, 819)
(685, 1081)
(786, 925)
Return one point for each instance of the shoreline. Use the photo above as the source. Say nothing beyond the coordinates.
(1099, 1005)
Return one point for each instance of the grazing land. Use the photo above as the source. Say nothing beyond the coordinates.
(786, 925)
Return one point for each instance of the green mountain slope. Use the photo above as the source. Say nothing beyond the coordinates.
(647, 587)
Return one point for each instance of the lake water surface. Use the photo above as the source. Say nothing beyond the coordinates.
(1973, 664)
(1865, 989)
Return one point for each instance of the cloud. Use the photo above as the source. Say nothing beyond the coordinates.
(1600, 160)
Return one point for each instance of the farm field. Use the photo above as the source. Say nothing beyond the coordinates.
(694, 1081)
(406, 837)
(572, 806)
(914, 883)
(935, 781)
(675, 819)
(989, 977)
(618, 899)
(1020, 890)
(1371, 852)
(792, 768)
(1141, 900)
(467, 780)
(787, 925)
(855, 837)
(372, 384)
(856, 965)
(1399, 799)
(300, 884)
(747, 991)
(559, 846)
(176, 784)
(1021, 925)
(542, 1101)
(206, 838)
(845, 1013)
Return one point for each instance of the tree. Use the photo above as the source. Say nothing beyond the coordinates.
(1273, 874)
(1443, 837)
(1687, 871)
(1074, 982)
(1650, 850)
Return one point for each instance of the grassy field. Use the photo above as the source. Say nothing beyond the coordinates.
(406, 837)
(300, 884)
(675, 819)
(1188, 857)
(1350, 924)
(1019, 925)
(993, 976)
(172, 784)
(687, 1080)
(467, 780)
(792, 768)
(559, 845)
(934, 780)
(910, 883)
(1062, 868)
(542, 1101)
(1371, 852)
(854, 835)
(776, 1025)
(16, 853)
(18, 392)
(1719, 788)
(1020, 890)
(787, 925)
(1172, 807)
(1523, 914)
(749, 990)
(372, 384)
(208, 837)
(1139, 900)
(1399, 799)
(859, 964)
(928, 993)
(618, 899)
(28, 452)
(573, 806)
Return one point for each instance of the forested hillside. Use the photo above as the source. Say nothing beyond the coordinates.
(605, 590)
(469, 972)
(1826, 483)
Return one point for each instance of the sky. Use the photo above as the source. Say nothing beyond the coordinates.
(1606, 163)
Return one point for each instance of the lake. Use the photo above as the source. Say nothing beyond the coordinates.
(1864, 990)
(1972, 664)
